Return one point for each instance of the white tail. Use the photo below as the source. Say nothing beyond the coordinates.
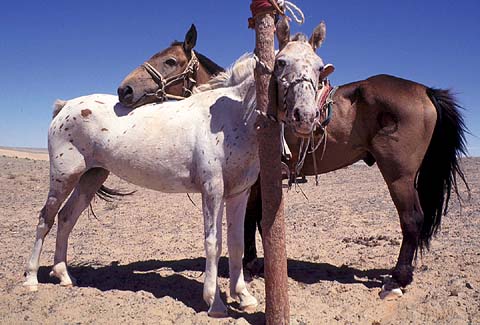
(57, 106)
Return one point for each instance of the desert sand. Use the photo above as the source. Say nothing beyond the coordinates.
(142, 260)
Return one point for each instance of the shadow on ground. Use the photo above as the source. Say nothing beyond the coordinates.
(188, 289)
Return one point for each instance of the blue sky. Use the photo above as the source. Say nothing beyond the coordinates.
(65, 49)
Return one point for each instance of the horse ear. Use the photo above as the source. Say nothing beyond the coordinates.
(318, 36)
(190, 39)
(326, 71)
(283, 32)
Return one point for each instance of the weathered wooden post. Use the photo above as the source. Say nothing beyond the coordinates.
(273, 222)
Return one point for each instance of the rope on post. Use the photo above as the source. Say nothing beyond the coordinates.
(275, 7)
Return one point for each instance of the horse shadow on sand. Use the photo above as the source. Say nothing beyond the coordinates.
(144, 276)
(188, 289)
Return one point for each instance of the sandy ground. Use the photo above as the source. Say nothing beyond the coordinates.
(142, 260)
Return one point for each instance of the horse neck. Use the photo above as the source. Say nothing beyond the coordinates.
(207, 69)
(203, 75)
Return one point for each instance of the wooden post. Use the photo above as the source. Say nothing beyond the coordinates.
(273, 223)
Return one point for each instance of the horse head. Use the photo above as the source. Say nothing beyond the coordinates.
(298, 72)
(169, 74)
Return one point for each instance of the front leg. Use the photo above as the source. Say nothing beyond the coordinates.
(235, 216)
(213, 202)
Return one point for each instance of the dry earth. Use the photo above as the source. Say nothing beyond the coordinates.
(142, 260)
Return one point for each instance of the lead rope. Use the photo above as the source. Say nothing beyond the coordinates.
(314, 159)
(290, 7)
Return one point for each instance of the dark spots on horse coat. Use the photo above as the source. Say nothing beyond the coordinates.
(104, 129)
(61, 126)
(61, 154)
(97, 101)
(85, 112)
(66, 129)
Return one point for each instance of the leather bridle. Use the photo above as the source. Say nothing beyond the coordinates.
(187, 76)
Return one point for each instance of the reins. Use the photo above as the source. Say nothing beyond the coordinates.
(187, 76)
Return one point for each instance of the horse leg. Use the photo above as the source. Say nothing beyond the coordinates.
(60, 188)
(212, 205)
(401, 184)
(235, 207)
(253, 217)
(83, 194)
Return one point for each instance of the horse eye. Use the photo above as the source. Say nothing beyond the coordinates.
(171, 62)
(281, 63)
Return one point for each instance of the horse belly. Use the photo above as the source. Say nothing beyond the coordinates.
(160, 161)
(168, 179)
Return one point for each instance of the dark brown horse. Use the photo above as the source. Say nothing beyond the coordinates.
(414, 133)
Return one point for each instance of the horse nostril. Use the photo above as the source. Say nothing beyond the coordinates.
(296, 115)
(125, 94)
(317, 115)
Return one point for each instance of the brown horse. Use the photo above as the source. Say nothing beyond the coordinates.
(169, 74)
(415, 135)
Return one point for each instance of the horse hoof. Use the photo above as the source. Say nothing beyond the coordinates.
(249, 309)
(217, 313)
(66, 280)
(31, 283)
(249, 304)
(67, 285)
(390, 294)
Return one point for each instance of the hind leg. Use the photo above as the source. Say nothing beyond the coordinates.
(59, 190)
(235, 207)
(253, 217)
(401, 184)
(83, 194)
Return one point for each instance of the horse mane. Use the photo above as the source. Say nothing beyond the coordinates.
(240, 71)
(211, 67)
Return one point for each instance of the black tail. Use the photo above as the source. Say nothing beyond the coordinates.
(440, 167)
(109, 194)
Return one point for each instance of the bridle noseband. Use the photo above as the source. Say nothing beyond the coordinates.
(187, 76)
(287, 85)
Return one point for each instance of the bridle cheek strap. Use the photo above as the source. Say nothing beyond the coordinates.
(187, 76)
